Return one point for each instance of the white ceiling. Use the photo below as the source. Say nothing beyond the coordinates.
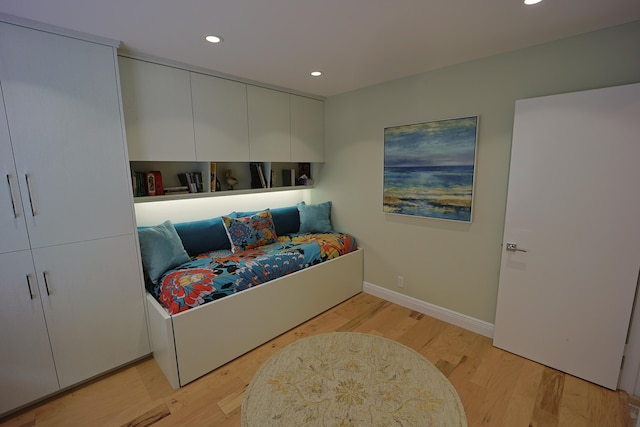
(356, 43)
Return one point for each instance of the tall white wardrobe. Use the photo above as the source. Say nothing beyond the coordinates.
(71, 294)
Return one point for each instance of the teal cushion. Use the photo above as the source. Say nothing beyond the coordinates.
(315, 218)
(203, 235)
(286, 220)
(161, 249)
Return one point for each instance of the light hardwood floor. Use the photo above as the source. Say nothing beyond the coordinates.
(496, 388)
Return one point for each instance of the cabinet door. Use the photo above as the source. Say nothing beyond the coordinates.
(220, 119)
(157, 110)
(27, 371)
(269, 126)
(13, 228)
(63, 111)
(307, 129)
(94, 307)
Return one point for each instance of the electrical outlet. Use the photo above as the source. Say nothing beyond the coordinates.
(400, 281)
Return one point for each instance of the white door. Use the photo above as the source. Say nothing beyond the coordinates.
(573, 206)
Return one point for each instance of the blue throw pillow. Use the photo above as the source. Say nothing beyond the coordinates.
(203, 235)
(161, 249)
(315, 218)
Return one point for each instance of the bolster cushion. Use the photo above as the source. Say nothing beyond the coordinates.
(203, 235)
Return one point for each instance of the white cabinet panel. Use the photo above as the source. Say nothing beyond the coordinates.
(27, 371)
(269, 125)
(63, 111)
(307, 129)
(219, 118)
(157, 110)
(71, 307)
(94, 312)
(13, 228)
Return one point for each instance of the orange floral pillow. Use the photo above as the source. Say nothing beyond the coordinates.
(250, 232)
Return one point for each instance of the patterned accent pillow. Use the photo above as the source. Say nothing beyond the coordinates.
(250, 232)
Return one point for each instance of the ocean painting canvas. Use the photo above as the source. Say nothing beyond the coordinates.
(429, 168)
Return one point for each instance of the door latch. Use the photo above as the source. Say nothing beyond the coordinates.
(513, 247)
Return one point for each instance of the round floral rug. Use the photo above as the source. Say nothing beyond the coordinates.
(350, 379)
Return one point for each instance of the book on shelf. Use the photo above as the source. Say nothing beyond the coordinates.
(214, 176)
(261, 175)
(258, 179)
(147, 183)
(288, 177)
(154, 183)
(191, 180)
(138, 183)
(180, 189)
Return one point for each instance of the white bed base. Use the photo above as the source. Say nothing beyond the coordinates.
(197, 341)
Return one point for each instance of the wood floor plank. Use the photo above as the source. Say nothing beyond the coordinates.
(525, 393)
(496, 388)
(547, 408)
(574, 409)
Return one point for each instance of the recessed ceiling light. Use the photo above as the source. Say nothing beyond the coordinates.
(211, 38)
(531, 2)
(316, 73)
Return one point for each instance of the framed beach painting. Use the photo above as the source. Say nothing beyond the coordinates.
(429, 168)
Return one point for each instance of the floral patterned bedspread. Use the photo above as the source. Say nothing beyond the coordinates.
(214, 275)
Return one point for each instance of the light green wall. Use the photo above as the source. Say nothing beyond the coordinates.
(449, 264)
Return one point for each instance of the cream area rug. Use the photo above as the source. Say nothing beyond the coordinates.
(350, 379)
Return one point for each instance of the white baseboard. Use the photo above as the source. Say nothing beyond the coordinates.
(446, 315)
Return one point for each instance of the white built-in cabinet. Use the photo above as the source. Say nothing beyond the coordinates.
(12, 224)
(269, 125)
(27, 369)
(285, 127)
(158, 111)
(178, 115)
(307, 129)
(219, 119)
(71, 294)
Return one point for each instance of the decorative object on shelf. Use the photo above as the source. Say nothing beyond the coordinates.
(429, 168)
(304, 174)
(231, 180)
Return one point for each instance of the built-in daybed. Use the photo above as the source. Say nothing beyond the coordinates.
(220, 287)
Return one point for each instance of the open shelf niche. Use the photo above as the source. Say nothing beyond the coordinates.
(277, 177)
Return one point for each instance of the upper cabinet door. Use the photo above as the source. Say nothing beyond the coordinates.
(63, 111)
(269, 125)
(157, 111)
(220, 119)
(12, 224)
(307, 129)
